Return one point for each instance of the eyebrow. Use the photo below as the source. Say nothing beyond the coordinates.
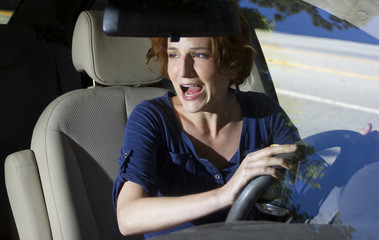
(193, 48)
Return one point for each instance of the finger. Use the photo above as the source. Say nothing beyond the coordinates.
(277, 174)
(367, 129)
(269, 162)
(273, 150)
(269, 171)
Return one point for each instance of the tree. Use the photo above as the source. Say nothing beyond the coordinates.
(286, 8)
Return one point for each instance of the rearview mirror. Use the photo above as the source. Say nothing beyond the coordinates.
(171, 18)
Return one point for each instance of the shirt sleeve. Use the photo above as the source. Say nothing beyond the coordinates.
(137, 162)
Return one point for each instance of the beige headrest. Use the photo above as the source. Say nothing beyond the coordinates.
(110, 60)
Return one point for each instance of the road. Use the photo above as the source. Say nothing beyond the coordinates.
(324, 84)
(5, 16)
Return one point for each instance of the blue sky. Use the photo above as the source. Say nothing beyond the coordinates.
(302, 24)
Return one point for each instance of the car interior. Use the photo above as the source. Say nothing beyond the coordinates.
(61, 187)
(77, 139)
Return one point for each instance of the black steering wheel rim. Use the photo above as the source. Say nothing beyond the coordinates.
(328, 139)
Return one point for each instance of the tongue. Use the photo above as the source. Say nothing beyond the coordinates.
(193, 90)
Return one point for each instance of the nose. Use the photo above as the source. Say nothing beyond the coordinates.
(187, 69)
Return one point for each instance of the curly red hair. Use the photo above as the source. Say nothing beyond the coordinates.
(233, 55)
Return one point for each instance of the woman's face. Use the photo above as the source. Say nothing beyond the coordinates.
(192, 70)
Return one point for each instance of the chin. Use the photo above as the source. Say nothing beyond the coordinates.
(191, 106)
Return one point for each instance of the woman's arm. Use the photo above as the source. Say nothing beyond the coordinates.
(139, 213)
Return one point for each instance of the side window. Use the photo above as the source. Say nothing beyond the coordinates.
(5, 15)
(325, 70)
(7, 8)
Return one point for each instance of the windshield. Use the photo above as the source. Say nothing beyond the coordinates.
(325, 70)
(326, 76)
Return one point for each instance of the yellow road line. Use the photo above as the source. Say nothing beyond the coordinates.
(322, 69)
(6, 13)
(277, 48)
(327, 101)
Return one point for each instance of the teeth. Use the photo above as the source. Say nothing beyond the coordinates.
(190, 95)
(185, 88)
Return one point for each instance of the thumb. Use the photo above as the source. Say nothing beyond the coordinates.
(367, 129)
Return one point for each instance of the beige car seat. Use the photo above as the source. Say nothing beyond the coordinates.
(33, 73)
(61, 188)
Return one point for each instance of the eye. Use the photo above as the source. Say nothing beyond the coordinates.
(173, 55)
(200, 55)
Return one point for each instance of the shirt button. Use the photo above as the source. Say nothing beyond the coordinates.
(217, 176)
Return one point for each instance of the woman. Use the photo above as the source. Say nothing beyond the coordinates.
(186, 157)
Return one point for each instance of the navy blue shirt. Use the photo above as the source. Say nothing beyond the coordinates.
(158, 155)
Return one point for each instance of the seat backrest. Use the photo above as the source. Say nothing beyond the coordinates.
(77, 139)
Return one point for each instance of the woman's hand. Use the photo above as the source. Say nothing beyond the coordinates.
(256, 164)
(374, 136)
(139, 213)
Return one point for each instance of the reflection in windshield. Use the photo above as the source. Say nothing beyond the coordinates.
(364, 14)
(286, 8)
(301, 18)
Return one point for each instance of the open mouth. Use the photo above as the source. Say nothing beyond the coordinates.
(190, 90)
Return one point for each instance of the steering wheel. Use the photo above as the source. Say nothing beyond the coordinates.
(345, 139)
